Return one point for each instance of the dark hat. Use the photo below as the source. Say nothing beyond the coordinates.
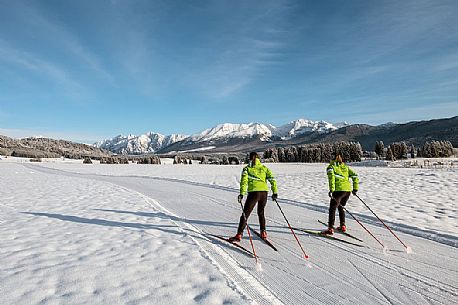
(253, 154)
(337, 153)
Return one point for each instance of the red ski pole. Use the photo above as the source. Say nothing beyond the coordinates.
(407, 248)
(364, 227)
(249, 233)
(292, 231)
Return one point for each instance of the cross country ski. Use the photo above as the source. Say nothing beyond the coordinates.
(340, 232)
(235, 244)
(320, 234)
(265, 240)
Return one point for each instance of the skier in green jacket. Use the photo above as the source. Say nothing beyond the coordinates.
(339, 175)
(254, 179)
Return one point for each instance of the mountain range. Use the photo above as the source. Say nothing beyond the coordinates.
(219, 136)
(240, 138)
(229, 137)
(134, 145)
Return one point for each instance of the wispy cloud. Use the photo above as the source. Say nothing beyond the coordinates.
(254, 44)
(39, 66)
(59, 32)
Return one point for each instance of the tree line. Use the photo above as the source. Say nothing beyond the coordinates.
(400, 150)
(311, 153)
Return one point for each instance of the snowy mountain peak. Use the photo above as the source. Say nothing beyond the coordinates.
(152, 142)
(229, 130)
(146, 143)
(301, 126)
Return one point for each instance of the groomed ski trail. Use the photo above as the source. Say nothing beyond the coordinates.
(332, 278)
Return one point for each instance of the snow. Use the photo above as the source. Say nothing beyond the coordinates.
(289, 130)
(146, 143)
(416, 197)
(229, 130)
(80, 241)
(138, 234)
(302, 126)
(152, 142)
(199, 149)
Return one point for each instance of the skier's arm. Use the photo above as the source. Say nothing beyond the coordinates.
(244, 181)
(354, 177)
(331, 178)
(273, 183)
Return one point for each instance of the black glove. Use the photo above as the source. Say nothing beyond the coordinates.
(274, 197)
(239, 198)
(330, 194)
(354, 192)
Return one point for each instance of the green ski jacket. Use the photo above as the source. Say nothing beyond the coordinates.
(339, 176)
(255, 177)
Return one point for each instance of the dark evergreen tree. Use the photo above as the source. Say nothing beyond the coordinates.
(412, 151)
(389, 154)
(379, 149)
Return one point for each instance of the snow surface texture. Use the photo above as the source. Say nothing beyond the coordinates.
(418, 198)
(139, 235)
(63, 242)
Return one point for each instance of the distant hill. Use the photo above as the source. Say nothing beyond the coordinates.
(417, 133)
(49, 148)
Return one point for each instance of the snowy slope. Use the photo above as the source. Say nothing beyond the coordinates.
(302, 126)
(228, 130)
(146, 143)
(265, 132)
(129, 241)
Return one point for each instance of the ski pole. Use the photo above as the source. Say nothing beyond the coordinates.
(360, 223)
(249, 233)
(363, 227)
(292, 231)
(382, 222)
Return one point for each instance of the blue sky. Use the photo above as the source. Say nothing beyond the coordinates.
(87, 70)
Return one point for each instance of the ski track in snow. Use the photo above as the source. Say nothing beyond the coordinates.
(191, 207)
(409, 199)
(59, 245)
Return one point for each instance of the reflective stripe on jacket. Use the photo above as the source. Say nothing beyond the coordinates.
(254, 178)
(339, 175)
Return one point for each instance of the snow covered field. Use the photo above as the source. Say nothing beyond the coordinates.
(139, 234)
(414, 197)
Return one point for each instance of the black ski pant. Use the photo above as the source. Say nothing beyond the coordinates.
(254, 197)
(338, 201)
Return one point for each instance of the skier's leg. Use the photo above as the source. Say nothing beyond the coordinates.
(262, 201)
(247, 208)
(332, 211)
(343, 201)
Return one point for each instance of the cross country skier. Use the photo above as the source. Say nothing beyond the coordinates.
(339, 175)
(254, 178)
